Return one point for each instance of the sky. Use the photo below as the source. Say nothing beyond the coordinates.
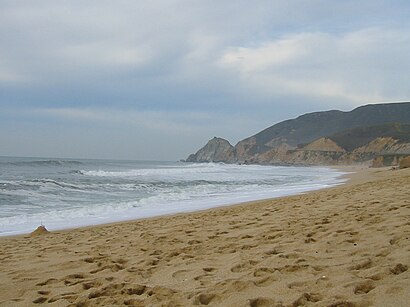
(155, 80)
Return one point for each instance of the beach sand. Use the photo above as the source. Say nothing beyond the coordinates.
(344, 246)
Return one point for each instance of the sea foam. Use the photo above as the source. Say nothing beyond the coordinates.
(61, 195)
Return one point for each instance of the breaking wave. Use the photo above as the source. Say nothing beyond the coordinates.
(71, 193)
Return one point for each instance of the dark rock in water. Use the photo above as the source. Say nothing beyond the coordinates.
(41, 230)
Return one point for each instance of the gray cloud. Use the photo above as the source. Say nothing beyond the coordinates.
(182, 71)
(356, 67)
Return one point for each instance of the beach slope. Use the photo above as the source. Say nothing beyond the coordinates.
(344, 246)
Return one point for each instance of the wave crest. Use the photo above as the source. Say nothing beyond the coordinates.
(35, 163)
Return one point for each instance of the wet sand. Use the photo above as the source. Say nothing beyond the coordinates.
(344, 246)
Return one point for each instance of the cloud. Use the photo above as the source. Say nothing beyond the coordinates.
(134, 52)
(105, 55)
(9, 77)
(164, 69)
(359, 66)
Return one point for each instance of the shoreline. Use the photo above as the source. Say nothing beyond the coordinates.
(352, 174)
(355, 174)
(188, 208)
(339, 246)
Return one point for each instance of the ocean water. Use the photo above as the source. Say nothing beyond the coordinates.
(65, 193)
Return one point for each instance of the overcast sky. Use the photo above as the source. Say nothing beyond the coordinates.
(156, 79)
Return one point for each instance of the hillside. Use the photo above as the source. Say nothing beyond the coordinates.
(354, 138)
(321, 138)
(309, 127)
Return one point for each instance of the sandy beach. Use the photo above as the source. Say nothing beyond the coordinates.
(344, 246)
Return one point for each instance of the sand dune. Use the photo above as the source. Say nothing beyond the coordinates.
(346, 246)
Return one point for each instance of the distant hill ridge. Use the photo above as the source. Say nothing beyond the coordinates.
(299, 140)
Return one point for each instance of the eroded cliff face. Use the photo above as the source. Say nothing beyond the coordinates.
(384, 145)
(320, 152)
(326, 152)
(403, 161)
(323, 144)
(216, 150)
(249, 151)
(246, 149)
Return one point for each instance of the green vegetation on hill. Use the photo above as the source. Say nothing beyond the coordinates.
(309, 127)
(357, 137)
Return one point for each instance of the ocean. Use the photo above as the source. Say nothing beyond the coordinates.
(68, 193)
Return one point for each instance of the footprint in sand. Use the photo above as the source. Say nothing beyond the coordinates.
(47, 282)
(209, 269)
(133, 290)
(203, 299)
(69, 296)
(40, 300)
(307, 297)
(73, 279)
(91, 284)
(364, 264)
(109, 290)
(243, 266)
(261, 302)
(180, 275)
(398, 269)
(262, 272)
(265, 281)
(364, 287)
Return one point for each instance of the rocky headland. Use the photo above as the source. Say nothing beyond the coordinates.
(375, 134)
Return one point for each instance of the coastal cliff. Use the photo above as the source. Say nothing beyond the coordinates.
(321, 138)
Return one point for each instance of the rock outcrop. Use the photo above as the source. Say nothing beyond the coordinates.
(384, 145)
(405, 162)
(40, 230)
(216, 150)
(323, 144)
